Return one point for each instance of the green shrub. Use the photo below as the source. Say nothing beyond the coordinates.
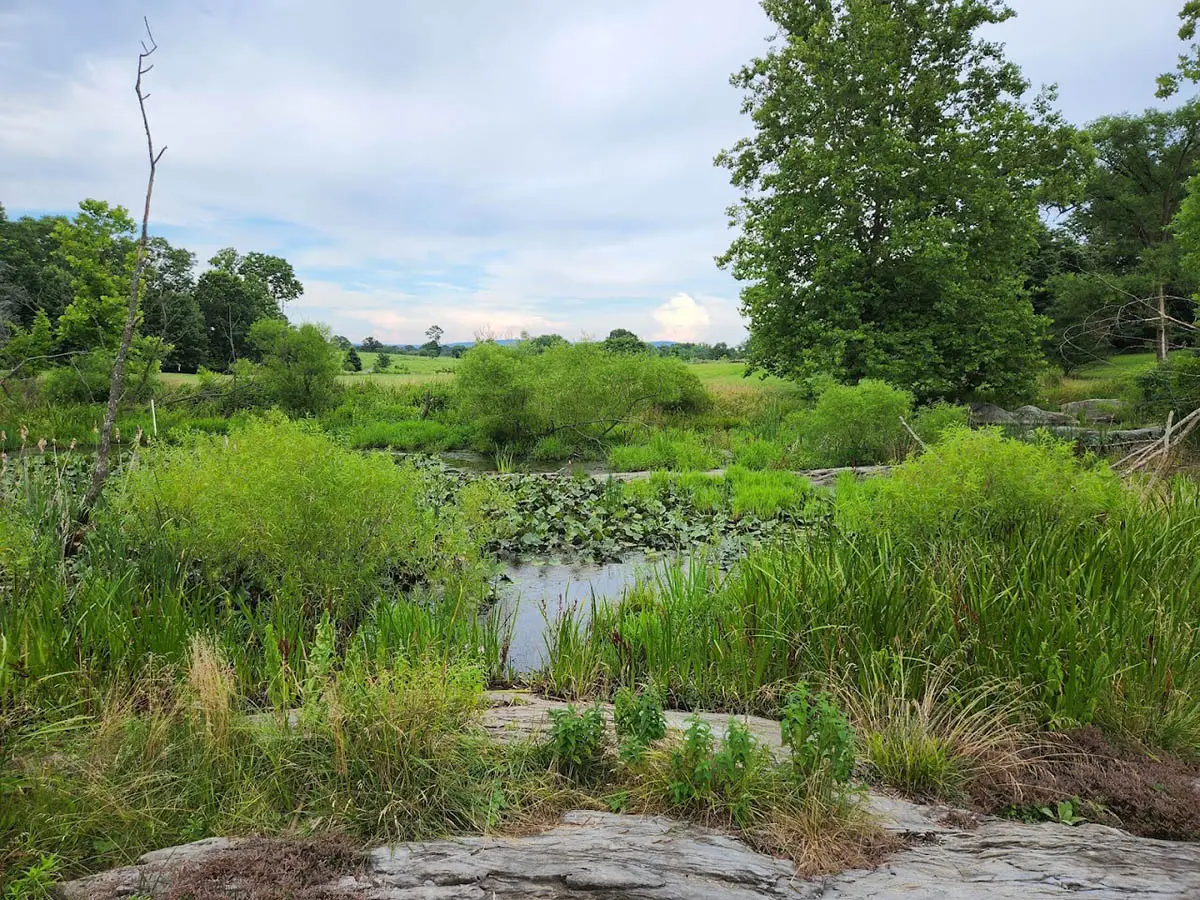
(854, 426)
(577, 743)
(514, 395)
(819, 735)
(980, 483)
(932, 422)
(300, 365)
(1172, 386)
(277, 505)
(669, 449)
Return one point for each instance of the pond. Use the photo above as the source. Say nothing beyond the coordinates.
(532, 595)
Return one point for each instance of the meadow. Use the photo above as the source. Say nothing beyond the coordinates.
(279, 624)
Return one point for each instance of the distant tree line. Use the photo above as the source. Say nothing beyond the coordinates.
(64, 284)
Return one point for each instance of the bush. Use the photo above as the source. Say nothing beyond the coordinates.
(854, 426)
(980, 484)
(300, 365)
(86, 381)
(513, 395)
(933, 422)
(279, 506)
(1173, 386)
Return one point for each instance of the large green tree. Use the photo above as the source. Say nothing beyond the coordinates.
(890, 197)
(1188, 68)
(1137, 283)
(98, 246)
(33, 273)
(170, 311)
(237, 292)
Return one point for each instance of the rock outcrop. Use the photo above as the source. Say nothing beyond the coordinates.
(616, 857)
(602, 856)
(1094, 412)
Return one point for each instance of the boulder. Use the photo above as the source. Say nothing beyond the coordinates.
(1096, 411)
(1035, 417)
(990, 414)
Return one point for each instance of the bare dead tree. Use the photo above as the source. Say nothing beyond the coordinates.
(100, 472)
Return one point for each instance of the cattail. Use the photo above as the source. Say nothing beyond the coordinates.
(24, 435)
(117, 434)
(137, 437)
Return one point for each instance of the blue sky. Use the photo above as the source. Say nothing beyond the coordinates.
(486, 166)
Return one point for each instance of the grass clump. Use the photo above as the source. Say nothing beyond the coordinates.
(406, 435)
(671, 450)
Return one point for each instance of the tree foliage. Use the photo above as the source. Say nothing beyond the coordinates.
(890, 196)
(300, 365)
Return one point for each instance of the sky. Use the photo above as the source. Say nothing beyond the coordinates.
(489, 167)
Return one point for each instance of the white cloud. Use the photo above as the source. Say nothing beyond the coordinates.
(527, 165)
(681, 319)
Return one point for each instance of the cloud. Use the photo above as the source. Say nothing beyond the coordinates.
(681, 319)
(528, 165)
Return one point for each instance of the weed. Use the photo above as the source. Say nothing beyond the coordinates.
(819, 736)
(577, 743)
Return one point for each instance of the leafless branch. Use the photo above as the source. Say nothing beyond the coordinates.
(100, 472)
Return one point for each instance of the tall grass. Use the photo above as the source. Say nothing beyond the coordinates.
(1097, 625)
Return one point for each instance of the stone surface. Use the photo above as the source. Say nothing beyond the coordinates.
(1097, 411)
(613, 857)
(990, 414)
(1032, 415)
(1090, 437)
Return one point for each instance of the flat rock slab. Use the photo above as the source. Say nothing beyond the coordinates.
(618, 857)
(614, 857)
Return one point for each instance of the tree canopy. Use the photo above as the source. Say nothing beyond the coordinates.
(890, 197)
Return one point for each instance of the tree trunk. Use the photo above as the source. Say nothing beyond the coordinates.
(1161, 345)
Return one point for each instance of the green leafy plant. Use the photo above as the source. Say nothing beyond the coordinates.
(727, 782)
(37, 882)
(577, 743)
(639, 720)
(818, 734)
(853, 426)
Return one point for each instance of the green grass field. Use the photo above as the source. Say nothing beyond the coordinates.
(405, 369)
(427, 370)
(1126, 365)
